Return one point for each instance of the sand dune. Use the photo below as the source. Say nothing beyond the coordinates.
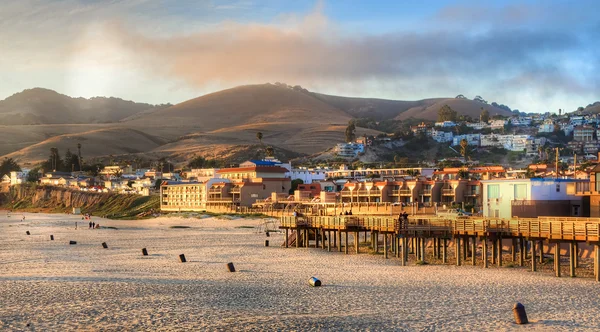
(51, 285)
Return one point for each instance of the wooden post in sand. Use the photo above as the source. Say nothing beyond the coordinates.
(465, 245)
(182, 258)
(316, 238)
(356, 241)
(144, 252)
(51, 237)
(297, 237)
(576, 254)
(286, 237)
(541, 245)
(27, 233)
(513, 249)
(104, 245)
(329, 241)
(404, 251)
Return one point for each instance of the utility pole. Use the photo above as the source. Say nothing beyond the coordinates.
(557, 162)
(575, 166)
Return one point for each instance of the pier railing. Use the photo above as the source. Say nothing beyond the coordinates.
(576, 229)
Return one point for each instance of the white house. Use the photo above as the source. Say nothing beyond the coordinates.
(18, 177)
(308, 175)
(472, 139)
(477, 125)
(349, 149)
(497, 124)
(500, 195)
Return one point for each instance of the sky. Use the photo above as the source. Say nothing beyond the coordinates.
(535, 56)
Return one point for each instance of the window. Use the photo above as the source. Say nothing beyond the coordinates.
(493, 191)
(520, 191)
(558, 187)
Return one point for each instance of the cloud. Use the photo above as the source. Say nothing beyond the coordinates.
(314, 50)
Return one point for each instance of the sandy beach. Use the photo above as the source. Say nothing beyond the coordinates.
(53, 286)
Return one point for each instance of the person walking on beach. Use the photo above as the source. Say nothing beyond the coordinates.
(90, 225)
(93, 225)
(76, 225)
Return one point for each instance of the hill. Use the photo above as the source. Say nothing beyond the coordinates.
(42, 106)
(249, 104)
(220, 125)
(466, 107)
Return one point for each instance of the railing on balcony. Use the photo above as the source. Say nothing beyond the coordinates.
(426, 192)
(363, 192)
(221, 199)
(448, 192)
(583, 187)
(472, 192)
(214, 190)
(235, 190)
(405, 192)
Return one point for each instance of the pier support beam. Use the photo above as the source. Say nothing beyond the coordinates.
(385, 246)
(499, 251)
(557, 259)
(576, 255)
(316, 238)
(513, 249)
(346, 244)
(357, 241)
(572, 259)
(445, 251)
(287, 230)
(339, 240)
(541, 249)
(465, 245)
(473, 251)
(523, 253)
(298, 237)
(329, 241)
(533, 258)
(458, 253)
(597, 262)
(484, 252)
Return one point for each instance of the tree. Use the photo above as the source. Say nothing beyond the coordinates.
(71, 161)
(269, 151)
(484, 116)
(295, 184)
(350, 132)
(8, 165)
(446, 113)
(259, 136)
(79, 155)
(463, 173)
(464, 148)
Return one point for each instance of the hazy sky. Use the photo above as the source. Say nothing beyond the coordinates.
(536, 56)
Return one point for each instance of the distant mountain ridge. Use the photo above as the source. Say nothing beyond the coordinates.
(217, 125)
(43, 106)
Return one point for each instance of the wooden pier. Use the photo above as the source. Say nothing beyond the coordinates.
(404, 237)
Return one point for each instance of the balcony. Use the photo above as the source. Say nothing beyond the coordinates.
(214, 190)
(447, 192)
(425, 192)
(363, 192)
(473, 193)
(405, 192)
(235, 190)
(584, 188)
(220, 199)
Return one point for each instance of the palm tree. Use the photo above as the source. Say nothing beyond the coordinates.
(259, 136)
(54, 156)
(269, 151)
(464, 145)
(540, 151)
(548, 150)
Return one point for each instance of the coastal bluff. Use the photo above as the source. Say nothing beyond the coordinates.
(34, 198)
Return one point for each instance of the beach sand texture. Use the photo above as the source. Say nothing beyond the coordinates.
(53, 286)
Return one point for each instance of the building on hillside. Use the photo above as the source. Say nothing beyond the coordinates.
(497, 124)
(583, 133)
(445, 124)
(202, 174)
(115, 171)
(546, 127)
(477, 125)
(308, 175)
(590, 193)
(472, 139)
(62, 179)
(422, 128)
(521, 121)
(441, 136)
(349, 150)
(344, 173)
(18, 177)
(591, 147)
(530, 198)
